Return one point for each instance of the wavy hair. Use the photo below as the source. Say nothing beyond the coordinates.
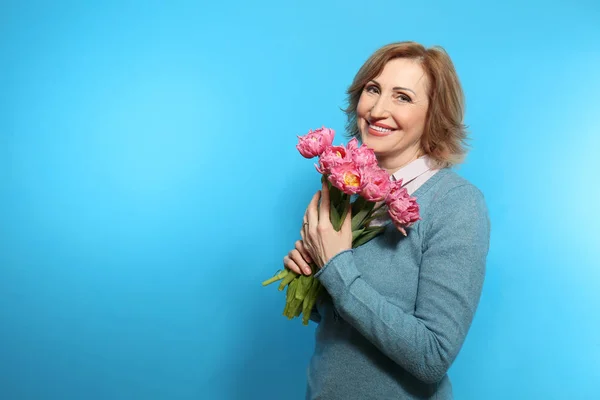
(444, 136)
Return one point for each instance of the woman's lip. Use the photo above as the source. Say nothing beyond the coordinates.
(379, 124)
(377, 133)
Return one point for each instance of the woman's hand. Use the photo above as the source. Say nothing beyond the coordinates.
(297, 260)
(318, 235)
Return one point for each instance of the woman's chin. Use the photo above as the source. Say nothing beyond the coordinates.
(374, 143)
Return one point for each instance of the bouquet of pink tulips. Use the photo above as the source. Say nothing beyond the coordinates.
(355, 178)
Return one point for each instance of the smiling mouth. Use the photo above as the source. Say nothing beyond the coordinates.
(379, 131)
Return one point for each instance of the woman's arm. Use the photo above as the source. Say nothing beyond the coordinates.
(450, 281)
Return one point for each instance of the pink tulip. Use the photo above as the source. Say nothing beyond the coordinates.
(331, 157)
(352, 145)
(364, 156)
(375, 183)
(315, 142)
(346, 177)
(403, 209)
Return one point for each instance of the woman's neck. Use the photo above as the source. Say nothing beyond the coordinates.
(393, 165)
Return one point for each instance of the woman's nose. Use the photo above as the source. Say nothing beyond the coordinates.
(379, 109)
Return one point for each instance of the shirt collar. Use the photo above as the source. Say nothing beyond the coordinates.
(413, 169)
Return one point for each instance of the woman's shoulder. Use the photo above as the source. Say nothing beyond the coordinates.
(451, 184)
(453, 192)
(457, 208)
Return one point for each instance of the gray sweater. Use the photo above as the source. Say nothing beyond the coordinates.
(399, 308)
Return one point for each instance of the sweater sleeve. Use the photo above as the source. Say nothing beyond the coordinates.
(452, 270)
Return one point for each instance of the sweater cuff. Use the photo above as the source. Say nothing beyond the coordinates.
(338, 273)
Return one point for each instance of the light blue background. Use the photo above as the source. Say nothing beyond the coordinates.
(149, 183)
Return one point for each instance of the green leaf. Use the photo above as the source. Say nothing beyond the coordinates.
(359, 218)
(310, 300)
(358, 205)
(334, 216)
(311, 292)
(293, 307)
(299, 292)
(335, 194)
(357, 233)
(291, 291)
(344, 211)
(306, 283)
(368, 235)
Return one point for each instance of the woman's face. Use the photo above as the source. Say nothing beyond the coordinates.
(391, 112)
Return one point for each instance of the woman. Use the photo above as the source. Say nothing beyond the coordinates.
(399, 307)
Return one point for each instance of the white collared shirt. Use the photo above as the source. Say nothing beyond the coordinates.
(415, 173)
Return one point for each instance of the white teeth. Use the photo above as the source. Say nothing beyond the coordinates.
(379, 129)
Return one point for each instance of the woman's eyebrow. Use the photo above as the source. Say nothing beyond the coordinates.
(397, 87)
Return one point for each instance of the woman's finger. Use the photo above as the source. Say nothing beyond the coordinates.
(304, 228)
(305, 237)
(290, 264)
(312, 213)
(303, 250)
(300, 262)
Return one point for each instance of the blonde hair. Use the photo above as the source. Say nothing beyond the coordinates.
(444, 136)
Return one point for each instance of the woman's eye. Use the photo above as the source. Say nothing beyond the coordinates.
(372, 89)
(404, 98)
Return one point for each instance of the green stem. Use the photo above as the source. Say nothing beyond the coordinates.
(363, 212)
(377, 208)
(289, 277)
(372, 218)
(345, 204)
(378, 211)
(276, 278)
